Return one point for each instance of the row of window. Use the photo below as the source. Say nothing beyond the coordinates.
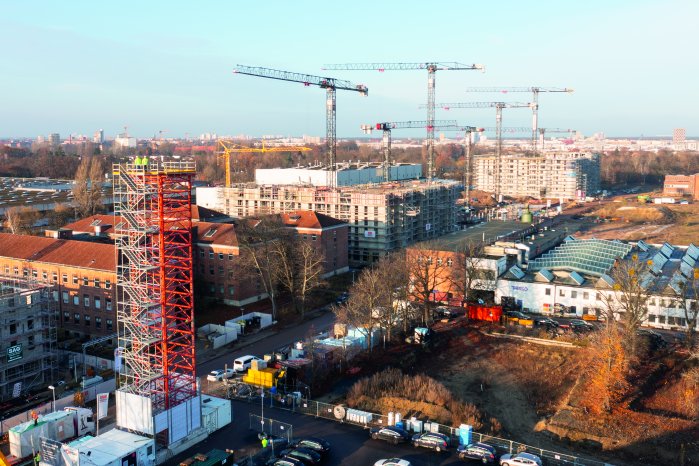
(87, 320)
(662, 302)
(87, 301)
(97, 283)
(213, 255)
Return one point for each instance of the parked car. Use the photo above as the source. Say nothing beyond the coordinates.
(285, 461)
(342, 298)
(243, 363)
(391, 434)
(520, 459)
(314, 443)
(393, 462)
(306, 455)
(548, 322)
(516, 316)
(434, 441)
(219, 375)
(444, 312)
(579, 325)
(477, 451)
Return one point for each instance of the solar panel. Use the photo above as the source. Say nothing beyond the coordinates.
(546, 274)
(577, 278)
(677, 283)
(606, 279)
(642, 246)
(693, 251)
(667, 249)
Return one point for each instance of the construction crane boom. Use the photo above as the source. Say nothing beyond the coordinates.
(498, 126)
(543, 131)
(331, 85)
(386, 127)
(535, 90)
(431, 68)
(229, 147)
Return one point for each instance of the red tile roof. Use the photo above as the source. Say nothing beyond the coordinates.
(87, 225)
(223, 234)
(58, 251)
(309, 219)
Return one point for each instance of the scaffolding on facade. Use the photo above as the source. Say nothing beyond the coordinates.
(28, 318)
(154, 277)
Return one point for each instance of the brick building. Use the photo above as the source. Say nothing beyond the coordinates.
(83, 274)
(681, 185)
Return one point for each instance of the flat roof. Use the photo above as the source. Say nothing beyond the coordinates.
(492, 231)
(112, 444)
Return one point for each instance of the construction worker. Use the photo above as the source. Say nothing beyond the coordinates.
(137, 161)
(264, 442)
(37, 458)
(144, 161)
(35, 417)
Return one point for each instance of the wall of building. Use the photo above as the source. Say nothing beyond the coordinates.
(681, 185)
(346, 175)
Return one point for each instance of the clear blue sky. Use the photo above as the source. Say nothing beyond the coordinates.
(77, 66)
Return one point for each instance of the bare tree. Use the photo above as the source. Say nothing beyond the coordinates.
(428, 272)
(60, 216)
(259, 258)
(87, 190)
(468, 272)
(21, 220)
(355, 313)
(300, 267)
(687, 296)
(395, 276)
(629, 301)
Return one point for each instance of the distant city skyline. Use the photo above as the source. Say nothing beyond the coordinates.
(156, 66)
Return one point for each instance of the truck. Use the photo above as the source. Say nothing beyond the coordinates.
(70, 423)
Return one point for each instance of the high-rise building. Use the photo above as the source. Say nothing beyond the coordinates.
(566, 175)
(54, 139)
(98, 137)
(679, 135)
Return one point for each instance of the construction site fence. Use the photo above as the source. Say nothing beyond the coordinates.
(338, 413)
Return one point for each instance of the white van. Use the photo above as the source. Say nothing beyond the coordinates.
(243, 363)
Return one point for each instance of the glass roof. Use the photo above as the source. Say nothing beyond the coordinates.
(590, 256)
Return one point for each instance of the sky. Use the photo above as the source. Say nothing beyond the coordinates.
(78, 66)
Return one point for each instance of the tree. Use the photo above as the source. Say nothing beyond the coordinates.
(300, 269)
(258, 258)
(21, 220)
(687, 296)
(60, 216)
(428, 272)
(355, 313)
(606, 370)
(629, 302)
(87, 190)
(467, 272)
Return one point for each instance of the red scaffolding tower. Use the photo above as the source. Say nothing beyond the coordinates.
(154, 277)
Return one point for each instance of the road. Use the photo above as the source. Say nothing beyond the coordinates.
(350, 445)
(267, 345)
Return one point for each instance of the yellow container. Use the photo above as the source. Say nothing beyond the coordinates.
(589, 317)
(262, 378)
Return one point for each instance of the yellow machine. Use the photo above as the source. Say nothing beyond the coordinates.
(228, 148)
(266, 378)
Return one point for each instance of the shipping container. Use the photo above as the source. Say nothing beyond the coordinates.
(484, 313)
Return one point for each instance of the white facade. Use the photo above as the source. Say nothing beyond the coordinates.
(346, 175)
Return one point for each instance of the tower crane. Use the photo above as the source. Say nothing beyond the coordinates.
(386, 127)
(498, 125)
(535, 90)
(543, 131)
(431, 68)
(331, 85)
(229, 147)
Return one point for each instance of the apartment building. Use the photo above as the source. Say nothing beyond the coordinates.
(382, 217)
(27, 336)
(681, 185)
(552, 175)
(81, 272)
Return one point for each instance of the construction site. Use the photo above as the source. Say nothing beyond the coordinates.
(382, 217)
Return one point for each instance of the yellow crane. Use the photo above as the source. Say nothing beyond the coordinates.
(229, 147)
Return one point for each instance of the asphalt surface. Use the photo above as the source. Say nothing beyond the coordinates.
(270, 343)
(350, 445)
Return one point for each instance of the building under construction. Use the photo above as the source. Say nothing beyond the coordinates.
(28, 331)
(553, 175)
(157, 392)
(382, 217)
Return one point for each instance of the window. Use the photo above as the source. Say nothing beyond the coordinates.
(54, 277)
(548, 292)
(98, 322)
(16, 270)
(661, 319)
(108, 304)
(75, 279)
(54, 294)
(231, 290)
(65, 297)
(64, 277)
(586, 295)
(211, 270)
(573, 294)
(13, 329)
(221, 289)
(35, 273)
(220, 256)
(313, 237)
(45, 275)
(439, 261)
(108, 284)
(7, 270)
(76, 300)
(449, 262)
(651, 318)
(87, 320)
(86, 282)
(97, 282)
(230, 256)
(30, 324)
(66, 316)
(109, 324)
(211, 254)
(86, 300)
(220, 270)
(201, 253)
(76, 318)
(561, 293)
(98, 302)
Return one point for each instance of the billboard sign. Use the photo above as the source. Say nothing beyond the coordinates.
(14, 353)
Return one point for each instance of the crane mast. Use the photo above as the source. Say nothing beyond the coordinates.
(535, 90)
(386, 127)
(498, 127)
(432, 68)
(331, 85)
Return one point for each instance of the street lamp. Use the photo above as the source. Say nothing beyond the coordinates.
(53, 391)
